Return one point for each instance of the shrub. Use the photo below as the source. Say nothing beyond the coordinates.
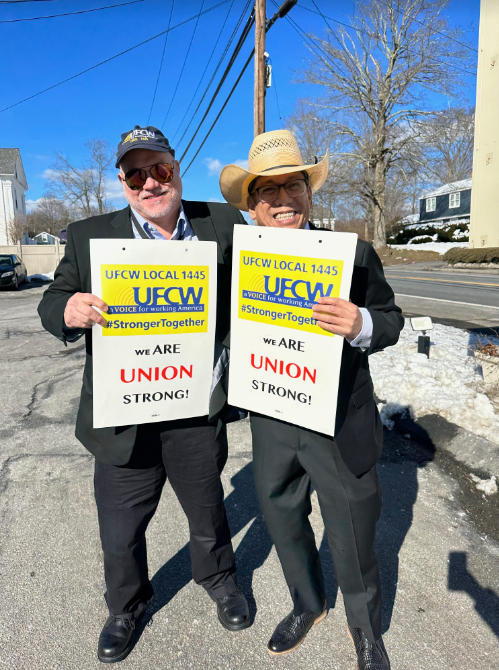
(482, 255)
(422, 240)
(444, 232)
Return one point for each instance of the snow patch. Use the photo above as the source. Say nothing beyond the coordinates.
(440, 247)
(449, 383)
(391, 409)
(488, 486)
(43, 277)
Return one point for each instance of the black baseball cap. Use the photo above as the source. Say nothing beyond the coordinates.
(142, 138)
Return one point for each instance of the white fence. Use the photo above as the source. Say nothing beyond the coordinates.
(38, 258)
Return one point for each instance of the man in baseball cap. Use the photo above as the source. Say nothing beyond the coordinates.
(132, 463)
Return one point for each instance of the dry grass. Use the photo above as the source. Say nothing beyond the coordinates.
(397, 256)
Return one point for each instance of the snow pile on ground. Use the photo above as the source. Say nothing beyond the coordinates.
(441, 247)
(488, 486)
(43, 277)
(449, 383)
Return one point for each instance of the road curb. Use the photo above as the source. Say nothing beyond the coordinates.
(439, 435)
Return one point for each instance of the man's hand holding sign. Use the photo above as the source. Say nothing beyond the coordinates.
(80, 312)
(338, 316)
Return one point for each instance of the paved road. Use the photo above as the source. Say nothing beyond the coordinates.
(462, 297)
(440, 576)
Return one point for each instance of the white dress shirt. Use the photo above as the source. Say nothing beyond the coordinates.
(363, 339)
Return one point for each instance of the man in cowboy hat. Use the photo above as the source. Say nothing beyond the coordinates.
(132, 463)
(277, 191)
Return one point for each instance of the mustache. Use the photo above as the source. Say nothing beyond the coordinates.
(145, 195)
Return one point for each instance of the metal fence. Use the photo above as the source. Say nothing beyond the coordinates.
(39, 259)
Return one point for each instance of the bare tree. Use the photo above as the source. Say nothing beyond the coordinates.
(376, 75)
(50, 215)
(16, 228)
(314, 136)
(83, 188)
(446, 145)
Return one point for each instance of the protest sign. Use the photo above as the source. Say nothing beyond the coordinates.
(281, 363)
(154, 361)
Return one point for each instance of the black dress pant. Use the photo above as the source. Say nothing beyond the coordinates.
(192, 456)
(287, 461)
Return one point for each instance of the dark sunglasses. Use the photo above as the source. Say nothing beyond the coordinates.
(137, 177)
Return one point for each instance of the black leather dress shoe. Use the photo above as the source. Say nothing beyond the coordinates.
(233, 611)
(291, 632)
(116, 639)
(370, 656)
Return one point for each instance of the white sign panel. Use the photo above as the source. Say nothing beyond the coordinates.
(281, 363)
(154, 361)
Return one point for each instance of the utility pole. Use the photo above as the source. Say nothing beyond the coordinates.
(259, 99)
(484, 229)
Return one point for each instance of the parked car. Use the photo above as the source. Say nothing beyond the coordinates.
(12, 271)
(63, 236)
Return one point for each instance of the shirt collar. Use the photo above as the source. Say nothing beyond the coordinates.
(152, 232)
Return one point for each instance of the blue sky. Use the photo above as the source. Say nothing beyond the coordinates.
(114, 97)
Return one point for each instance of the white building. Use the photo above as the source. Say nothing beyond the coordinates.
(13, 185)
(45, 238)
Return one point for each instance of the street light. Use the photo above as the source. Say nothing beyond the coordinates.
(422, 324)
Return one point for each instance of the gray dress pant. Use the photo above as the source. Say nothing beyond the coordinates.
(191, 454)
(287, 461)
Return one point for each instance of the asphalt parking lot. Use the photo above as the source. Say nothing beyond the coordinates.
(440, 574)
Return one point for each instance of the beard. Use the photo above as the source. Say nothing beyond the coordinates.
(171, 204)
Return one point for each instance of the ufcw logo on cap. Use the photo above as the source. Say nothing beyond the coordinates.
(139, 134)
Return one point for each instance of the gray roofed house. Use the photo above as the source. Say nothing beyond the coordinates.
(447, 203)
(13, 185)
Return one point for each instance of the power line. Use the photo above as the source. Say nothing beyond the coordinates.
(249, 24)
(220, 112)
(315, 46)
(83, 11)
(235, 53)
(275, 89)
(93, 67)
(226, 50)
(205, 70)
(161, 64)
(183, 66)
(413, 18)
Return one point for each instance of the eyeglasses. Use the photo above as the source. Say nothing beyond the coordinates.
(270, 192)
(137, 177)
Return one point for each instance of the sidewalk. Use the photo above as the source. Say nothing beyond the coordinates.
(441, 604)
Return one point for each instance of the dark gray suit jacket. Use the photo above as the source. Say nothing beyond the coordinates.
(358, 432)
(213, 222)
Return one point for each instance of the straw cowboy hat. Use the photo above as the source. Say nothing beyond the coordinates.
(272, 153)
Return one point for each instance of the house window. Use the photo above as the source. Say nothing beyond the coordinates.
(431, 204)
(454, 200)
(15, 198)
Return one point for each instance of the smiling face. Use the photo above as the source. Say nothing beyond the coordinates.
(155, 201)
(285, 211)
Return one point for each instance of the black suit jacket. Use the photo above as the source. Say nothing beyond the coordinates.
(358, 431)
(211, 222)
